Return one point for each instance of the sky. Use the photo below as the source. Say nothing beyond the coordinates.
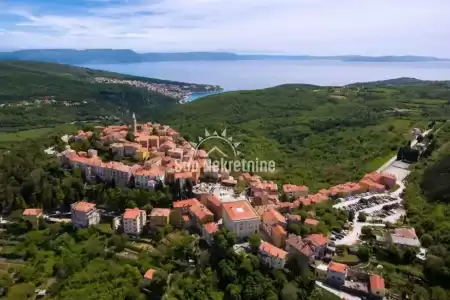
(312, 27)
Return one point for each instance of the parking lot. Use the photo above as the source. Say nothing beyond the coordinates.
(372, 205)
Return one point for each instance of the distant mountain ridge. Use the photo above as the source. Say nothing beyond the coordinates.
(117, 56)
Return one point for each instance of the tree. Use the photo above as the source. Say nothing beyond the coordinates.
(362, 216)
(351, 216)
(130, 136)
(363, 253)
(367, 231)
(289, 292)
(426, 240)
(254, 241)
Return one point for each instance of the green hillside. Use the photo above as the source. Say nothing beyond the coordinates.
(317, 135)
(31, 81)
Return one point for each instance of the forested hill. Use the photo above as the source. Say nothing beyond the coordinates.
(36, 94)
(317, 135)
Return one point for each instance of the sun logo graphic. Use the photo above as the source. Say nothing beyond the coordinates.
(223, 138)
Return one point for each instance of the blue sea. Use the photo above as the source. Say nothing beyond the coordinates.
(257, 74)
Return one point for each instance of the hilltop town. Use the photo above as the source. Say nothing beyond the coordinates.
(281, 221)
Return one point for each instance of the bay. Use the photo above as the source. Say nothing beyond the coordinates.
(257, 74)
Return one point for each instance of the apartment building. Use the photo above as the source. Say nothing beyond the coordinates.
(240, 218)
(159, 217)
(272, 256)
(84, 214)
(134, 221)
(145, 178)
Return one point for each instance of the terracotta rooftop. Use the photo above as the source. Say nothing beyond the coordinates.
(317, 239)
(272, 216)
(132, 213)
(337, 267)
(311, 222)
(149, 274)
(160, 212)
(32, 212)
(200, 211)
(83, 206)
(409, 233)
(272, 250)
(211, 228)
(185, 203)
(288, 188)
(376, 282)
(239, 210)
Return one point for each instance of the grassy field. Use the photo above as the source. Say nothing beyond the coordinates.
(8, 137)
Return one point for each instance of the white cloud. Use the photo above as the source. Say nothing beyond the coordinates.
(316, 27)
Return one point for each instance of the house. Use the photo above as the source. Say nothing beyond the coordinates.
(32, 215)
(404, 237)
(159, 217)
(84, 214)
(377, 287)
(134, 221)
(272, 256)
(312, 247)
(181, 209)
(336, 274)
(293, 191)
(274, 224)
(311, 222)
(208, 232)
(148, 276)
(240, 218)
(279, 235)
(213, 203)
(388, 181)
(200, 215)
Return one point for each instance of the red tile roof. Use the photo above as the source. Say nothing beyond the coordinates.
(272, 216)
(211, 228)
(311, 222)
(337, 267)
(317, 239)
(288, 188)
(83, 206)
(32, 212)
(376, 282)
(278, 230)
(201, 212)
(272, 250)
(239, 210)
(185, 203)
(132, 213)
(160, 212)
(409, 233)
(149, 274)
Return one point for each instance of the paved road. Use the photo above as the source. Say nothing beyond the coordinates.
(340, 294)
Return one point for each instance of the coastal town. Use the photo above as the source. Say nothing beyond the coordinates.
(149, 155)
(178, 92)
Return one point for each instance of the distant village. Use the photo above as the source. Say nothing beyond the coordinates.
(170, 90)
(47, 100)
(162, 157)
